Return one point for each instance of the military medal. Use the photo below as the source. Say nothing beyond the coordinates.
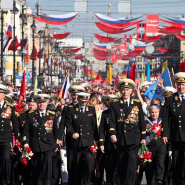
(49, 126)
(176, 97)
(36, 123)
(75, 116)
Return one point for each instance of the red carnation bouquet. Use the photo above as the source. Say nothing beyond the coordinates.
(94, 148)
(145, 154)
(26, 155)
(156, 128)
(18, 109)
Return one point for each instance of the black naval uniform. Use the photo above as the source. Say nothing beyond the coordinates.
(83, 123)
(67, 140)
(7, 114)
(110, 148)
(173, 120)
(25, 171)
(42, 135)
(155, 169)
(127, 123)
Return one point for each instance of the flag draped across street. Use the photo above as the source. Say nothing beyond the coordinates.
(154, 91)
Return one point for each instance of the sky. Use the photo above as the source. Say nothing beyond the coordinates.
(83, 25)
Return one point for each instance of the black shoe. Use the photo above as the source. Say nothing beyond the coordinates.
(158, 183)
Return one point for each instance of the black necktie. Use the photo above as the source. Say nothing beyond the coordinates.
(182, 96)
(81, 110)
(42, 115)
(126, 103)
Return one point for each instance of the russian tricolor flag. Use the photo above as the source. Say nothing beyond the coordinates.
(24, 41)
(8, 37)
(64, 90)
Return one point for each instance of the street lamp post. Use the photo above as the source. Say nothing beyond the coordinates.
(23, 17)
(40, 34)
(2, 22)
(33, 27)
(14, 11)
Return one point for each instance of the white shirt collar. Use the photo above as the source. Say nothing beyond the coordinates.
(128, 101)
(42, 112)
(2, 104)
(181, 95)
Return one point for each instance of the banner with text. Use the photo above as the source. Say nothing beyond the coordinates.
(152, 25)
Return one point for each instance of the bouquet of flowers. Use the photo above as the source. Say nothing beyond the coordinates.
(18, 109)
(156, 128)
(145, 154)
(26, 155)
(94, 148)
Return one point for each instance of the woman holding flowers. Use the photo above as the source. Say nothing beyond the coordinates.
(155, 168)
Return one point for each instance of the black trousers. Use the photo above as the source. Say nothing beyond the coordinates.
(155, 169)
(56, 166)
(127, 163)
(70, 165)
(5, 162)
(42, 168)
(82, 165)
(178, 149)
(100, 166)
(111, 166)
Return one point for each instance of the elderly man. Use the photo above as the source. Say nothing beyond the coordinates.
(173, 122)
(81, 124)
(7, 114)
(127, 130)
(41, 133)
(65, 139)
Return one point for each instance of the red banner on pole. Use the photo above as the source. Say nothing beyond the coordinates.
(123, 47)
(152, 25)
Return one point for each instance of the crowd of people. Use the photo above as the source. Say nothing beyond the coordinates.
(94, 136)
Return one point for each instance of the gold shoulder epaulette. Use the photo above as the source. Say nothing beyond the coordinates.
(66, 105)
(31, 111)
(22, 112)
(136, 100)
(52, 112)
(90, 105)
(71, 106)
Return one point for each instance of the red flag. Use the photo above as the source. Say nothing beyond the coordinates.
(22, 90)
(17, 44)
(116, 80)
(114, 57)
(33, 55)
(182, 66)
(132, 72)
